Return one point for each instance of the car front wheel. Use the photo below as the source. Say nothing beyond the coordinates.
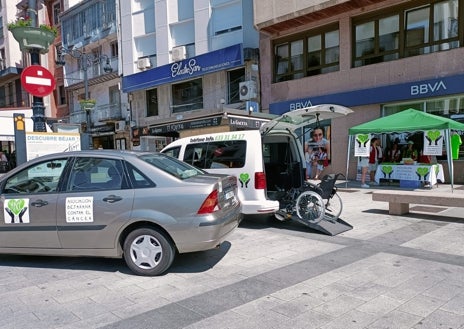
(148, 252)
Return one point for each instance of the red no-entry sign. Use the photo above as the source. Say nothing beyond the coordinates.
(37, 80)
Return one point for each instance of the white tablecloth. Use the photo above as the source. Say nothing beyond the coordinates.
(429, 173)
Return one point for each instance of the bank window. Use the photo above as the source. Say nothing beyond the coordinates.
(310, 54)
(407, 32)
(152, 102)
(377, 41)
(187, 96)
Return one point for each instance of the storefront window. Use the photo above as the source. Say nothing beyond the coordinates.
(152, 102)
(395, 108)
(438, 106)
(187, 96)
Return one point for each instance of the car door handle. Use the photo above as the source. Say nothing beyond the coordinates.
(39, 203)
(112, 198)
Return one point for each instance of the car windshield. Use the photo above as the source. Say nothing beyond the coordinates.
(171, 165)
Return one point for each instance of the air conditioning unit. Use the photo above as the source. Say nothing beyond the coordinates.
(178, 53)
(120, 126)
(250, 54)
(247, 90)
(143, 63)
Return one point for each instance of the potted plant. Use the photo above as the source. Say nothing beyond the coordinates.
(87, 104)
(30, 38)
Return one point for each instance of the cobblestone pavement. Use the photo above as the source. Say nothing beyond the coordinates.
(387, 272)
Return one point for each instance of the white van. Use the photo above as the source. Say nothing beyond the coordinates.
(264, 161)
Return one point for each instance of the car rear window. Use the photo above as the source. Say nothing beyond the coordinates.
(171, 165)
(216, 154)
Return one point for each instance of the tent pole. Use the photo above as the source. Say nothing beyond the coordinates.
(449, 157)
(350, 137)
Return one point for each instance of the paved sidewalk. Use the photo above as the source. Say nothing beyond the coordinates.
(387, 272)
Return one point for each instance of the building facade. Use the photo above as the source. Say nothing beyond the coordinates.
(88, 54)
(376, 57)
(12, 62)
(189, 67)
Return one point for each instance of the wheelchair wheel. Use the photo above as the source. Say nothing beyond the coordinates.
(310, 207)
(333, 208)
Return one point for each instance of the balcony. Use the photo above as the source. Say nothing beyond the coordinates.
(108, 112)
(101, 113)
(78, 117)
(95, 70)
(100, 18)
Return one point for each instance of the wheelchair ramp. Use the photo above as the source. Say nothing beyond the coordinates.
(330, 227)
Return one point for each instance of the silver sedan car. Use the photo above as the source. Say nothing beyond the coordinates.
(145, 207)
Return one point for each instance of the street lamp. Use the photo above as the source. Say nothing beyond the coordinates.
(86, 60)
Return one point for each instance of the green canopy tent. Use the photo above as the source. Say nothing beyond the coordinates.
(409, 121)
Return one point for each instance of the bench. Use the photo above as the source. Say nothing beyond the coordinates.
(398, 201)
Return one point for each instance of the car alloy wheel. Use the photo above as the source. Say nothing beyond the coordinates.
(148, 252)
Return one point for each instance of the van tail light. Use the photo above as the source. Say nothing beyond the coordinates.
(260, 180)
(210, 205)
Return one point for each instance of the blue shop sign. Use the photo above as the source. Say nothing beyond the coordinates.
(218, 60)
(394, 93)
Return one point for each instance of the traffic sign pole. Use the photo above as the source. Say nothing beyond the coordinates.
(38, 108)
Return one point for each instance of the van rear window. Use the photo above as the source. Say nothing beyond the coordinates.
(217, 154)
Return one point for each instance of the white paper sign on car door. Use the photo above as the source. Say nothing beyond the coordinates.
(79, 210)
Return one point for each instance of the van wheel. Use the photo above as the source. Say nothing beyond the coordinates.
(148, 252)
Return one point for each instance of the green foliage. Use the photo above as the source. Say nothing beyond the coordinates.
(88, 101)
(49, 28)
(21, 22)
